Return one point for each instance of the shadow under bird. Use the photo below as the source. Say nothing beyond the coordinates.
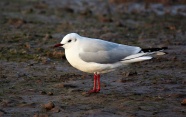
(98, 56)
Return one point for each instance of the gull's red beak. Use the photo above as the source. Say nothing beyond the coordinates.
(58, 45)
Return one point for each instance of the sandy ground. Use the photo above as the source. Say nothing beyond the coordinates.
(32, 74)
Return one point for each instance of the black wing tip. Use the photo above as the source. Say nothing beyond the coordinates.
(153, 49)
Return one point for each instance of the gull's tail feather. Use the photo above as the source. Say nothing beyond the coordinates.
(134, 60)
(144, 54)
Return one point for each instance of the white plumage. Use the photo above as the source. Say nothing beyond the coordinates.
(99, 56)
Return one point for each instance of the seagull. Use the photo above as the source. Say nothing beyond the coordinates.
(98, 56)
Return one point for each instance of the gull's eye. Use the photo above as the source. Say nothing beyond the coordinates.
(69, 41)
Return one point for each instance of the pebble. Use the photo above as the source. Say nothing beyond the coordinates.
(50, 93)
(48, 106)
(85, 94)
(183, 102)
(55, 110)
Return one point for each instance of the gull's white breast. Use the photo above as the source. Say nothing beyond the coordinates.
(73, 58)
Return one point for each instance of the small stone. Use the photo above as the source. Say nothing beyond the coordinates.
(183, 102)
(85, 94)
(48, 106)
(50, 93)
(171, 27)
(27, 46)
(55, 110)
(60, 85)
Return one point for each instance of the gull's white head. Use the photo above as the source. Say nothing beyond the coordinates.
(68, 41)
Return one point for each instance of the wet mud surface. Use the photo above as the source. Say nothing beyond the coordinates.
(36, 80)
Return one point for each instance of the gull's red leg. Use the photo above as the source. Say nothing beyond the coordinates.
(98, 81)
(95, 82)
(95, 85)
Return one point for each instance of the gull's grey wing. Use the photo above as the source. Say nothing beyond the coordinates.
(105, 52)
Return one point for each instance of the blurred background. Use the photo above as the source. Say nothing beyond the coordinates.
(32, 73)
(35, 24)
